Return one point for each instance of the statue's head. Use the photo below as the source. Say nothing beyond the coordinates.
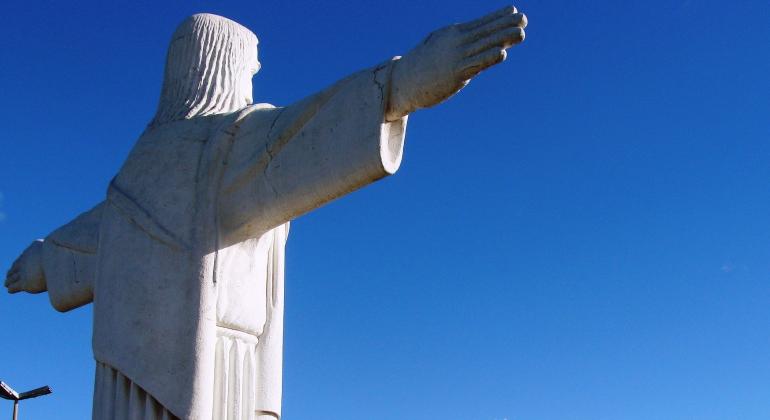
(209, 67)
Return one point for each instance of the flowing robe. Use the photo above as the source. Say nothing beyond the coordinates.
(184, 260)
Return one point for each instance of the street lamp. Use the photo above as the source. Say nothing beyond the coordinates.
(9, 394)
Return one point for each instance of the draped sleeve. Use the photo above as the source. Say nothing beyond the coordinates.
(287, 161)
(269, 352)
(69, 261)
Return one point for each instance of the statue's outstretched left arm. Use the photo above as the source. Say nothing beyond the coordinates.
(64, 264)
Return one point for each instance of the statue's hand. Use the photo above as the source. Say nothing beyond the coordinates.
(26, 273)
(449, 57)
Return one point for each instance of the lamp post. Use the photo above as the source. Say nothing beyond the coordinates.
(8, 393)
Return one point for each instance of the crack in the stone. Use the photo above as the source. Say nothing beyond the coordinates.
(269, 153)
(380, 86)
(272, 125)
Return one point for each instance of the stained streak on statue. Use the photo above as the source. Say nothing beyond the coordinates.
(184, 260)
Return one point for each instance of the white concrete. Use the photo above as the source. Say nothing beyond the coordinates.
(184, 259)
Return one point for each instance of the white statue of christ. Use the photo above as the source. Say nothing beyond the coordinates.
(184, 259)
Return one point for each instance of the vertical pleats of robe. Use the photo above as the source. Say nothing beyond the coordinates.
(118, 398)
(235, 373)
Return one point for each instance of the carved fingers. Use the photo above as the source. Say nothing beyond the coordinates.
(516, 20)
(12, 278)
(486, 39)
(505, 11)
(501, 40)
(26, 273)
(443, 63)
(471, 66)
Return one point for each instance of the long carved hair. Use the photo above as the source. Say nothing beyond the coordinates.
(205, 67)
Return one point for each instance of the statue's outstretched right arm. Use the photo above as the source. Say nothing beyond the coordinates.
(287, 162)
(64, 264)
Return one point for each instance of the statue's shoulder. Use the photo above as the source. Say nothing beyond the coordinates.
(256, 118)
(264, 105)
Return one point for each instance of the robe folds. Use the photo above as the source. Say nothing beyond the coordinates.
(189, 243)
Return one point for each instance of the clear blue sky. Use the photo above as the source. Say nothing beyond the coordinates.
(582, 233)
